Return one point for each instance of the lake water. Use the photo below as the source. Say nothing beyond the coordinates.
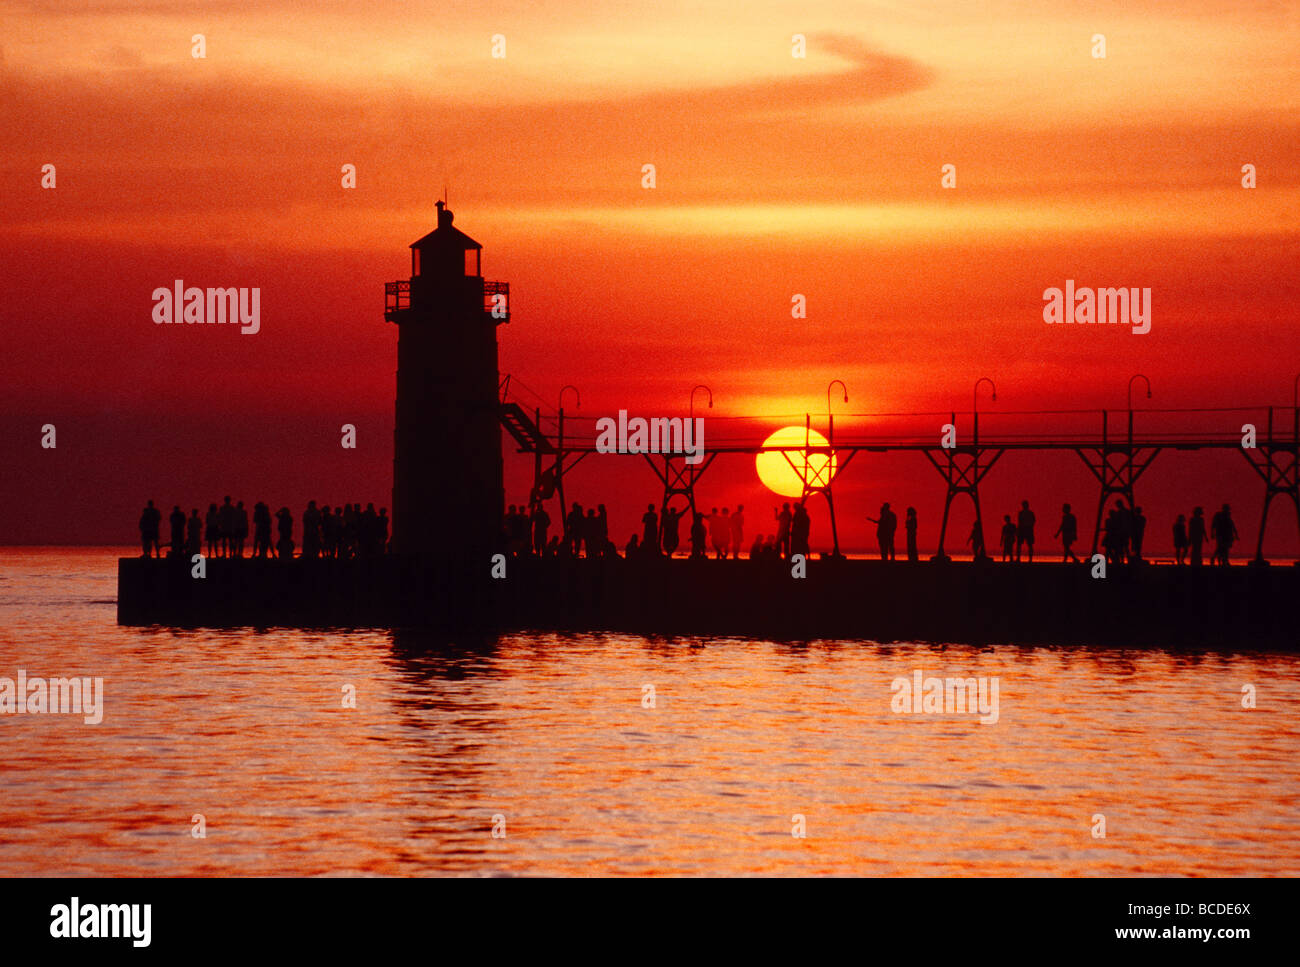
(550, 734)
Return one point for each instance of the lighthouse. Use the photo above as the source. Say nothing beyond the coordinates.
(448, 491)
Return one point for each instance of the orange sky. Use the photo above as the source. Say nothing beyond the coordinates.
(775, 176)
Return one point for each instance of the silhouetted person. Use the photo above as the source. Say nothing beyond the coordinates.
(311, 531)
(633, 548)
(348, 545)
(177, 521)
(1025, 530)
(1196, 534)
(1224, 532)
(976, 538)
(649, 530)
(719, 532)
(541, 525)
(241, 528)
(381, 530)
(1110, 536)
(671, 538)
(150, 522)
(193, 534)
(1138, 529)
(1180, 539)
(1068, 532)
(368, 529)
(329, 532)
(784, 520)
(1122, 526)
(1008, 537)
(284, 524)
(212, 530)
(591, 535)
(756, 549)
(801, 531)
(886, 524)
(738, 531)
(699, 536)
(573, 525)
(909, 525)
(226, 523)
(261, 530)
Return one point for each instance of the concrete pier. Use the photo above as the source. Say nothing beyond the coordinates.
(1238, 608)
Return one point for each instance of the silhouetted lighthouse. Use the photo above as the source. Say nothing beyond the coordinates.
(448, 491)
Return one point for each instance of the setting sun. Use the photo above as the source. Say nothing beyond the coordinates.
(784, 471)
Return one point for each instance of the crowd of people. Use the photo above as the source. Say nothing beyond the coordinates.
(344, 532)
(1190, 536)
(1123, 533)
(349, 531)
(585, 533)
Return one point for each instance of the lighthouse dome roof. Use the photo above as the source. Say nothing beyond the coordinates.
(445, 236)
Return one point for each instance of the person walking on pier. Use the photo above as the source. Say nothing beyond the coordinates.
(719, 533)
(1025, 530)
(573, 529)
(649, 530)
(1180, 539)
(737, 531)
(1123, 533)
(150, 524)
(348, 545)
(193, 534)
(177, 521)
(370, 546)
(311, 531)
(1196, 534)
(226, 527)
(1116, 529)
(261, 529)
(329, 535)
(541, 525)
(801, 531)
(1008, 537)
(784, 520)
(284, 546)
(1068, 532)
(1224, 532)
(241, 528)
(671, 535)
(212, 529)
(1138, 524)
(886, 524)
(699, 535)
(909, 524)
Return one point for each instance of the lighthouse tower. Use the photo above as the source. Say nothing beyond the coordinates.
(448, 491)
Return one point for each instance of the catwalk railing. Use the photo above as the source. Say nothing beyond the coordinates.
(1117, 446)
